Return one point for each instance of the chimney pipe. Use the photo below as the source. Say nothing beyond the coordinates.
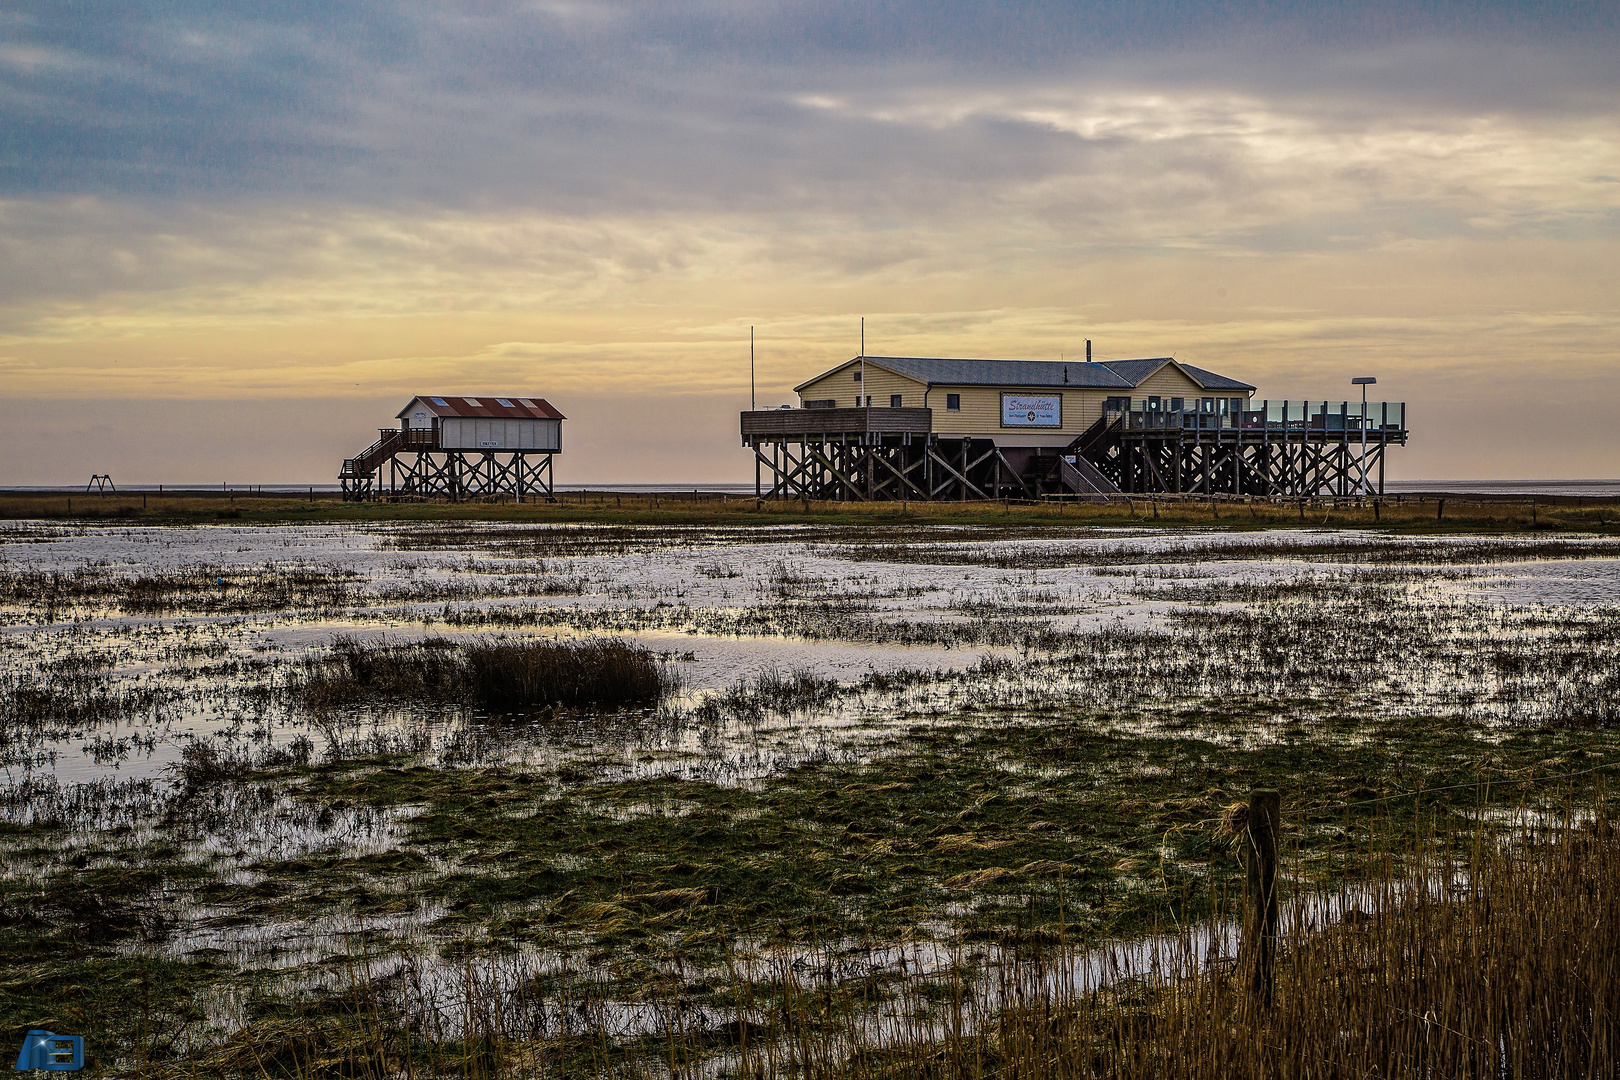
(1088, 350)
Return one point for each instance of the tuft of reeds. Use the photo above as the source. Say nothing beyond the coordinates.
(498, 674)
(608, 673)
(773, 691)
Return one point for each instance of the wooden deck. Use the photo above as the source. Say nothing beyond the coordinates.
(820, 423)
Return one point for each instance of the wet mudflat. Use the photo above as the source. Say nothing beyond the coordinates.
(247, 771)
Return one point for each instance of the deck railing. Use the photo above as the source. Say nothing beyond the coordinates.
(823, 422)
(1385, 417)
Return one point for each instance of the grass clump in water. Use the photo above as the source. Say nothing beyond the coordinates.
(495, 674)
(606, 673)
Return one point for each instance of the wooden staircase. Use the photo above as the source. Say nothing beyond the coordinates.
(1066, 472)
(1083, 478)
(360, 467)
(1075, 467)
(1102, 436)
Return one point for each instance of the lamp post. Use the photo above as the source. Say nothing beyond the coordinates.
(1363, 381)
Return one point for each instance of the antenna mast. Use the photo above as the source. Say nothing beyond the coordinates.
(863, 399)
(752, 403)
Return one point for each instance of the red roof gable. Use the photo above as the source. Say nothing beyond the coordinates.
(504, 406)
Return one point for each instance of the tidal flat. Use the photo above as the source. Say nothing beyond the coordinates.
(244, 797)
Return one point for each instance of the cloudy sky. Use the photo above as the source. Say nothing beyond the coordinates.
(236, 237)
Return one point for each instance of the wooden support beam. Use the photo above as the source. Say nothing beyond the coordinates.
(906, 483)
(849, 485)
(1001, 460)
(961, 478)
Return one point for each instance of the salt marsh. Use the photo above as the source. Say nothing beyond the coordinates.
(873, 738)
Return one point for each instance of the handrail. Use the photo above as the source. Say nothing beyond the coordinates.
(1087, 441)
(365, 463)
(1283, 416)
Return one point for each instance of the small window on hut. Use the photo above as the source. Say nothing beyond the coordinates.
(894, 401)
(857, 374)
(503, 403)
(473, 402)
(1176, 404)
(441, 401)
(953, 402)
(526, 403)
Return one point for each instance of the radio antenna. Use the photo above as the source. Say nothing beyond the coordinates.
(863, 399)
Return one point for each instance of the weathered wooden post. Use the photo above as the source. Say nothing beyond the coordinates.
(1264, 823)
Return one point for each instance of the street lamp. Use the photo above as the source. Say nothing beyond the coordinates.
(1363, 381)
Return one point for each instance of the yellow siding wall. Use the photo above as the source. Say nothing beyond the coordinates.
(1169, 382)
(981, 413)
(842, 388)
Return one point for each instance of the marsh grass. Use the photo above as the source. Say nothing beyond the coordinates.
(1189, 553)
(774, 691)
(72, 694)
(1466, 965)
(496, 674)
(1409, 513)
(199, 588)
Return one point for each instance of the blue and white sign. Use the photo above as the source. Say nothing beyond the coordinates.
(1032, 410)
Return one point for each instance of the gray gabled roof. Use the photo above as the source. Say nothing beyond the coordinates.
(1134, 371)
(1211, 381)
(943, 370)
(1104, 375)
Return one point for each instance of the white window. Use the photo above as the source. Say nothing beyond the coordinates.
(472, 401)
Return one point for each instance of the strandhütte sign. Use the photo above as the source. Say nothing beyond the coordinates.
(1023, 410)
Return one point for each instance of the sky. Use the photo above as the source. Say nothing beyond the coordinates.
(235, 238)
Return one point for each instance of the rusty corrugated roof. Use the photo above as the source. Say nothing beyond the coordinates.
(500, 406)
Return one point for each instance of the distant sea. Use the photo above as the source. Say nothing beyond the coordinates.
(1604, 489)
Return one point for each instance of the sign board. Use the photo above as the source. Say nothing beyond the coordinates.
(1032, 410)
(486, 444)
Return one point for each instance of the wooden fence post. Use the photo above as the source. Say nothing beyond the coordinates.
(1260, 925)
